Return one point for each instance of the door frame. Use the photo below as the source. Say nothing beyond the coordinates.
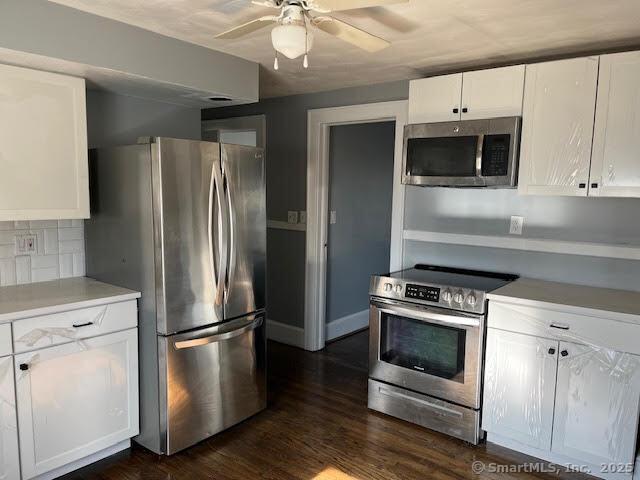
(249, 122)
(319, 122)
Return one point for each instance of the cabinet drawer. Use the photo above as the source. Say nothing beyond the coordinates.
(5, 340)
(548, 323)
(47, 330)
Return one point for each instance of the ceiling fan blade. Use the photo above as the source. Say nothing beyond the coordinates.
(350, 34)
(248, 27)
(265, 3)
(337, 5)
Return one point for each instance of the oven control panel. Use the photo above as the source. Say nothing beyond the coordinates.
(421, 292)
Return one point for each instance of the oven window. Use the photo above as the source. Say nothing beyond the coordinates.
(442, 157)
(424, 347)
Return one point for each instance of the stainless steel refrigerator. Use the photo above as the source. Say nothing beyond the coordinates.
(184, 222)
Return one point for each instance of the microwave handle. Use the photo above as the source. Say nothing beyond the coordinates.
(479, 155)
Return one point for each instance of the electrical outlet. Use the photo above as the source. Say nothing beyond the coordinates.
(333, 217)
(25, 244)
(303, 216)
(515, 228)
(292, 216)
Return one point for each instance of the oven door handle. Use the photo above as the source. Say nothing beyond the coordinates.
(429, 316)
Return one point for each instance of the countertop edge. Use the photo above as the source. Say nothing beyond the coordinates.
(67, 307)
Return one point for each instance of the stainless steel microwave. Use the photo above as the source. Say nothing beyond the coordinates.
(469, 153)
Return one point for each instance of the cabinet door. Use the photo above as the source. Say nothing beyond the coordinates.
(492, 93)
(557, 127)
(43, 146)
(76, 399)
(435, 99)
(9, 459)
(519, 387)
(615, 169)
(596, 413)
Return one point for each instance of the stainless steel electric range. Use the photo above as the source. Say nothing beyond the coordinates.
(427, 329)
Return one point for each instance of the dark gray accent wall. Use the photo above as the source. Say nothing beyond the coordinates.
(361, 192)
(119, 120)
(286, 154)
(487, 212)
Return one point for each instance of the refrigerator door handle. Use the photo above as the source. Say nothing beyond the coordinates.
(219, 275)
(234, 330)
(231, 262)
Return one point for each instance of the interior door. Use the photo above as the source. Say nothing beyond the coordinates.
(76, 399)
(244, 177)
(188, 192)
(615, 169)
(519, 386)
(596, 414)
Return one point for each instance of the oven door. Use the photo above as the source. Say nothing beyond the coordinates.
(472, 153)
(428, 350)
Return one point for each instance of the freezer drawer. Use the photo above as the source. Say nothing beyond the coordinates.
(215, 379)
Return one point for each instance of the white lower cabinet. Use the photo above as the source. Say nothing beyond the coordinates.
(519, 387)
(76, 399)
(9, 459)
(596, 414)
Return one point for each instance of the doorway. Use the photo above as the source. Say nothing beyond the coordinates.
(360, 210)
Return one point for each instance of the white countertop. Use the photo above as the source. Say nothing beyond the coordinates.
(44, 298)
(618, 304)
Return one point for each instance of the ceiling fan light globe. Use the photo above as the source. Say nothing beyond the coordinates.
(291, 41)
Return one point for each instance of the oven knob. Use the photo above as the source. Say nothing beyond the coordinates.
(447, 295)
(458, 297)
(387, 287)
(471, 299)
(398, 288)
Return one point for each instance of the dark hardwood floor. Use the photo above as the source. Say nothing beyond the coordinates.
(317, 426)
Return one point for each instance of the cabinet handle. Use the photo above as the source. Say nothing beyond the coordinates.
(80, 325)
(559, 327)
(564, 353)
(465, 109)
(582, 185)
(594, 185)
(552, 351)
(24, 366)
(456, 110)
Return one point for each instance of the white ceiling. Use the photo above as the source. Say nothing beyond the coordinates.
(427, 35)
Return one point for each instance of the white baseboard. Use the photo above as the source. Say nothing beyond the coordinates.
(283, 333)
(346, 325)
(83, 462)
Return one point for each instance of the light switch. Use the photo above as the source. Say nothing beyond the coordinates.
(25, 244)
(333, 217)
(303, 216)
(517, 223)
(292, 216)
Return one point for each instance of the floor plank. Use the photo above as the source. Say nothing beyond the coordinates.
(317, 426)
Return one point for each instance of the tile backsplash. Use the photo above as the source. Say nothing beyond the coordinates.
(59, 251)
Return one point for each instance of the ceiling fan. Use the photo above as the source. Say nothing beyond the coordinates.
(293, 35)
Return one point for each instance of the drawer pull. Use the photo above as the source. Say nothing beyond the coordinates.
(559, 326)
(24, 366)
(552, 351)
(80, 325)
(564, 353)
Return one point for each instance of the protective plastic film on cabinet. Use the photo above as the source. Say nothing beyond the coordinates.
(552, 388)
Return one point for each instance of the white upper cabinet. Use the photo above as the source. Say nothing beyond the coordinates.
(496, 92)
(435, 99)
(557, 127)
(615, 170)
(596, 412)
(519, 387)
(43, 146)
(491, 93)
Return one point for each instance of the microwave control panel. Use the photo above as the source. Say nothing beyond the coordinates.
(495, 155)
(421, 292)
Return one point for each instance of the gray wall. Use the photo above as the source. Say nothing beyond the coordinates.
(487, 212)
(361, 192)
(120, 120)
(286, 154)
